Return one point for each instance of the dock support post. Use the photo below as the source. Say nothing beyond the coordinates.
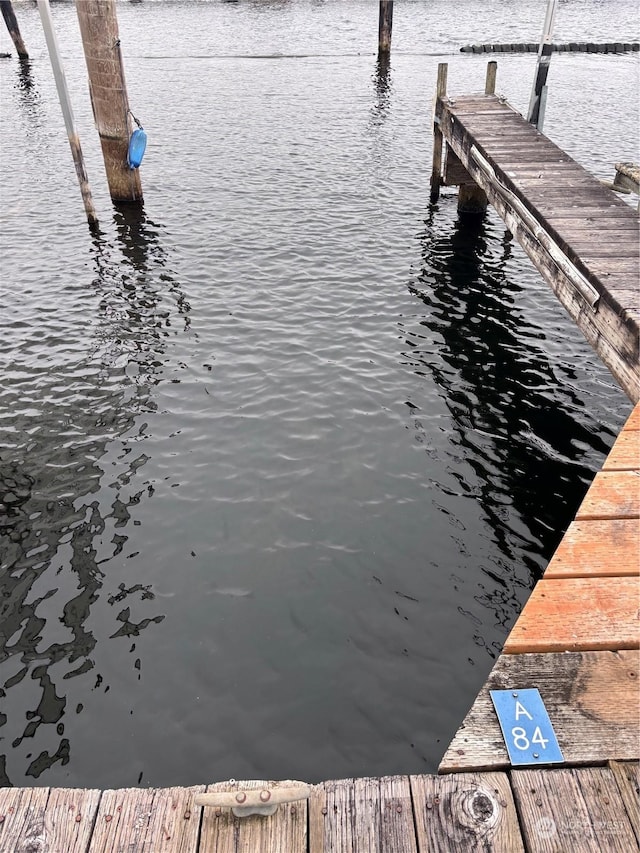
(472, 200)
(436, 168)
(14, 30)
(490, 80)
(538, 99)
(67, 112)
(385, 23)
(101, 43)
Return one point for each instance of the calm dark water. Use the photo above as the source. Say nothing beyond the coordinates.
(282, 454)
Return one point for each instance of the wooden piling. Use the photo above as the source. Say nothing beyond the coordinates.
(472, 200)
(538, 99)
(67, 112)
(14, 30)
(101, 42)
(490, 81)
(436, 169)
(385, 23)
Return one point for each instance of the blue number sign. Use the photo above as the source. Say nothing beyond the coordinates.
(526, 727)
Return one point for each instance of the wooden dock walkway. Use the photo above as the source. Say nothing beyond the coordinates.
(584, 240)
(576, 640)
(586, 810)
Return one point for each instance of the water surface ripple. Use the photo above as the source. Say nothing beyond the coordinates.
(281, 454)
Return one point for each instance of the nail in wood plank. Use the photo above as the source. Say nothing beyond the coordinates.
(175, 821)
(122, 820)
(464, 812)
(69, 819)
(331, 810)
(22, 818)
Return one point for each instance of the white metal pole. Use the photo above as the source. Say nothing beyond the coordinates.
(539, 91)
(67, 112)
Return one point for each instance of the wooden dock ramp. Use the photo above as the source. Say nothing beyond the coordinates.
(584, 240)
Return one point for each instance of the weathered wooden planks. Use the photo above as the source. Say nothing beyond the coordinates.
(69, 820)
(573, 614)
(514, 152)
(578, 809)
(633, 421)
(597, 548)
(122, 820)
(625, 453)
(592, 699)
(224, 833)
(22, 818)
(372, 815)
(613, 494)
(465, 812)
(161, 820)
(627, 776)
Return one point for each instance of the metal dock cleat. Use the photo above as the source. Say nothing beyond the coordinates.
(253, 796)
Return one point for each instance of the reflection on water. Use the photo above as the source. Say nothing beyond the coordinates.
(274, 527)
(502, 392)
(57, 534)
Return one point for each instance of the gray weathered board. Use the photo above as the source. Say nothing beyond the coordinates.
(572, 809)
(465, 812)
(592, 701)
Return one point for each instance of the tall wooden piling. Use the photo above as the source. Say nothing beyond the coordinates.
(538, 99)
(385, 23)
(14, 30)
(436, 168)
(67, 112)
(101, 43)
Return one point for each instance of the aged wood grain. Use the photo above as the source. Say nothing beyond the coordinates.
(22, 819)
(592, 699)
(595, 225)
(625, 453)
(331, 816)
(572, 809)
(596, 548)
(627, 776)
(69, 819)
(222, 832)
(613, 494)
(465, 812)
(362, 816)
(175, 821)
(633, 421)
(574, 614)
(122, 820)
(397, 828)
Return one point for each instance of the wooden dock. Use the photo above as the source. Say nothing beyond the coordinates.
(584, 240)
(577, 640)
(581, 809)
